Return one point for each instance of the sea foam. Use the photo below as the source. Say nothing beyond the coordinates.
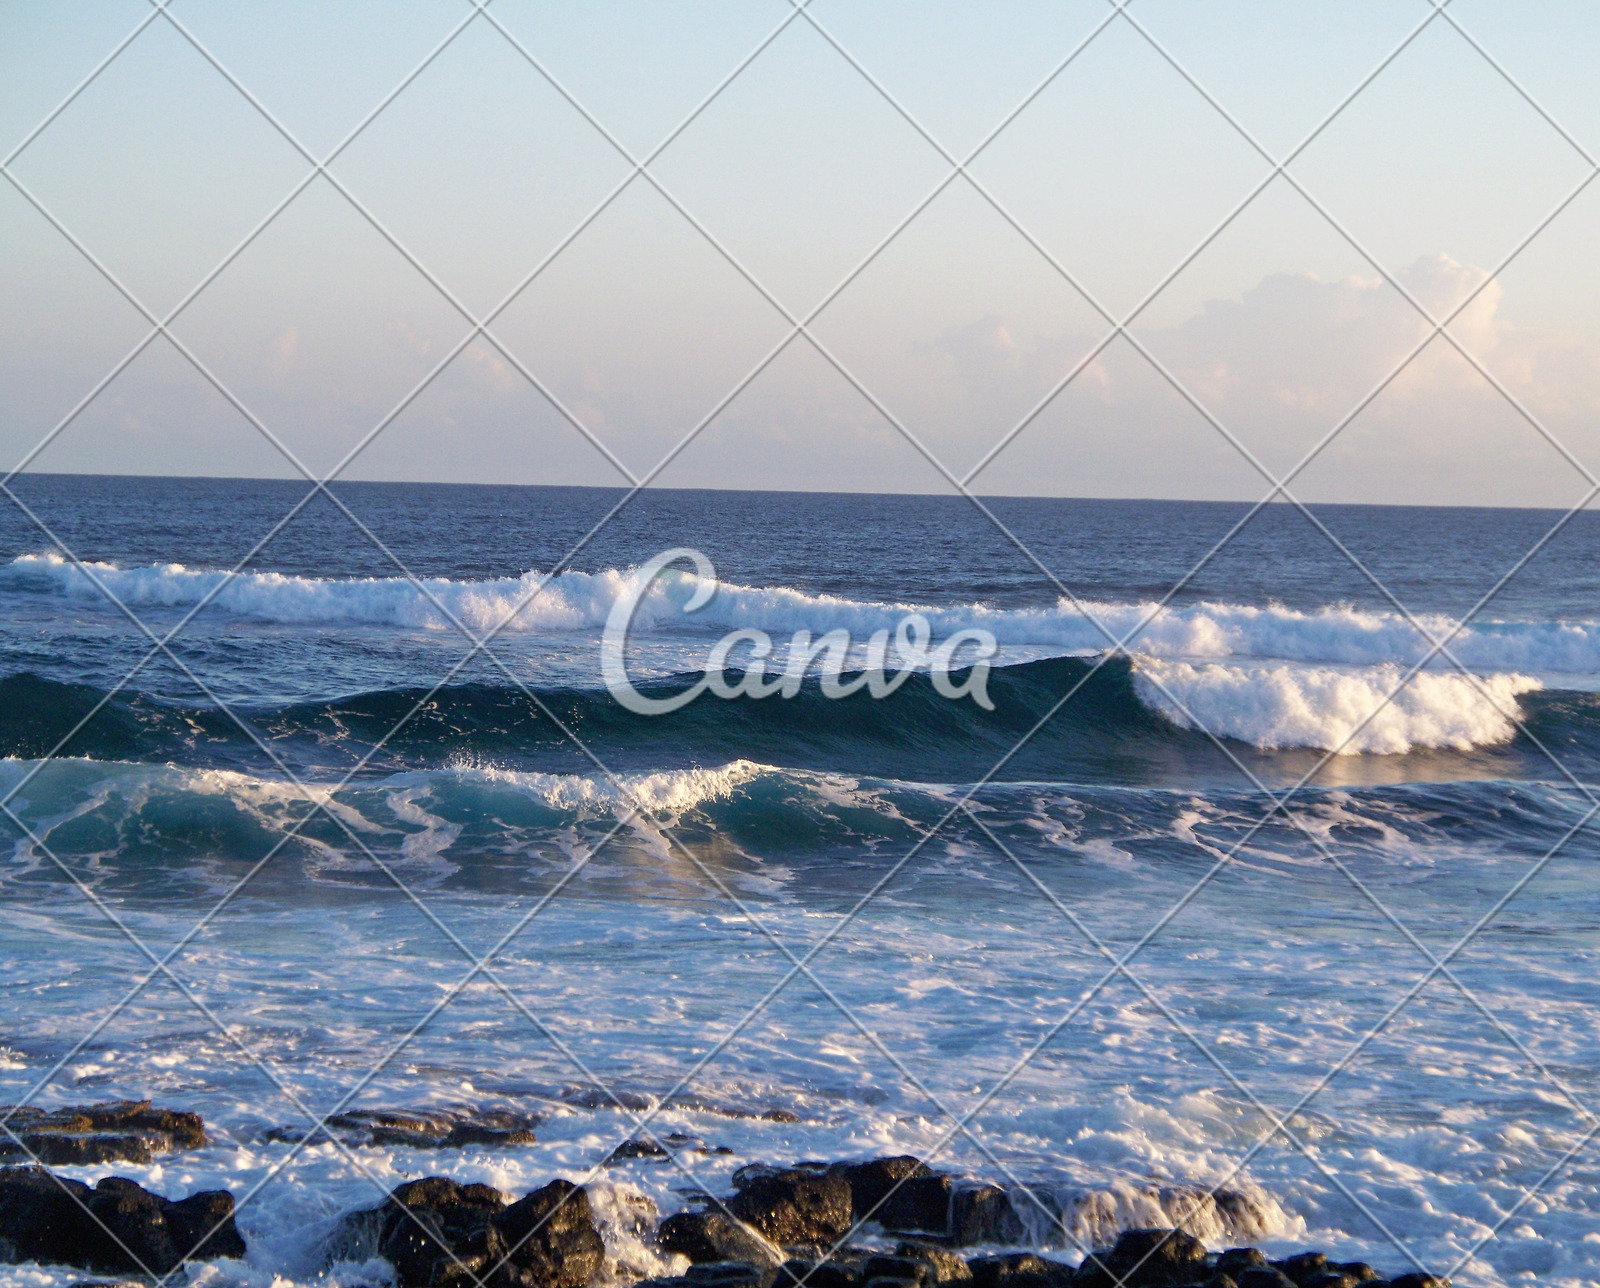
(1334, 709)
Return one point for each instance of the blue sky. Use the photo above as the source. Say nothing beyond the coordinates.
(479, 167)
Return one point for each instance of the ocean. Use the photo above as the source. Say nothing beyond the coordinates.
(841, 927)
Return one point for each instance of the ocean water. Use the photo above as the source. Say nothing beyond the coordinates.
(820, 940)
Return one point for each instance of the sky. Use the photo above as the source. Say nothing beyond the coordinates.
(944, 309)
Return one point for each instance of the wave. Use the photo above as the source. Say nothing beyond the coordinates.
(574, 601)
(1346, 711)
(1128, 720)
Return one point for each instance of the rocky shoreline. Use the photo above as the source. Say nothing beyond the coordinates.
(785, 1227)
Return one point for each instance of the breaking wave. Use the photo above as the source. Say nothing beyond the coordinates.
(580, 601)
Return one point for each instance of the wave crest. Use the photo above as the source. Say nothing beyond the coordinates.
(1324, 707)
(576, 601)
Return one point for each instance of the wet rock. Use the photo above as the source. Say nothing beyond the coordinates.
(920, 1204)
(942, 1267)
(662, 1148)
(1147, 1259)
(553, 1237)
(438, 1232)
(800, 1273)
(1019, 1270)
(872, 1182)
(1234, 1260)
(1416, 1279)
(122, 1131)
(1360, 1269)
(1331, 1279)
(728, 1274)
(1221, 1280)
(1264, 1277)
(118, 1227)
(714, 1236)
(1303, 1265)
(881, 1266)
(983, 1214)
(423, 1129)
(797, 1207)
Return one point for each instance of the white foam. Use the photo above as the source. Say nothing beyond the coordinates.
(1281, 705)
(582, 601)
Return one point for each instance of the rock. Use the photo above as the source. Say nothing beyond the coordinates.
(728, 1274)
(420, 1129)
(1331, 1279)
(438, 1232)
(714, 1236)
(921, 1203)
(797, 1207)
(664, 1148)
(942, 1267)
(880, 1266)
(1264, 1277)
(122, 1131)
(1360, 1269)
(552, 1236)
(117, 1228)
(1221, 1280)
(812, 1274)
(1416, 1279)
(1303, 1265)
(871, 1182)
(1019, 1270)
(983, 1214)
(1234, 1260)
(1147, 1259)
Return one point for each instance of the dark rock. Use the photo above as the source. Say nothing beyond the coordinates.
(1234, 1260)
(1416, 1279)
(728, 1274)
(942, 1267)
(794, 1208)
(1220, 1280)
(436, 1232)
(1360, 1269)
(922, 1203)
(1019, 1270)
(871, 1182)
(122, 1131)
(420, 1129)
(983, 1214)
(885, 1267)
(43, 1216)
(713, 1236)
(1147, 1259)
(1331, 1279)
(118, 1227)
(664, 1148)
(818, 1274)
(552, 1236)
(1303, 1265)
(1264, 1277)
(203, 1223)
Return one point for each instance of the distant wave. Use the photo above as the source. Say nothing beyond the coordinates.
(579, 601)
